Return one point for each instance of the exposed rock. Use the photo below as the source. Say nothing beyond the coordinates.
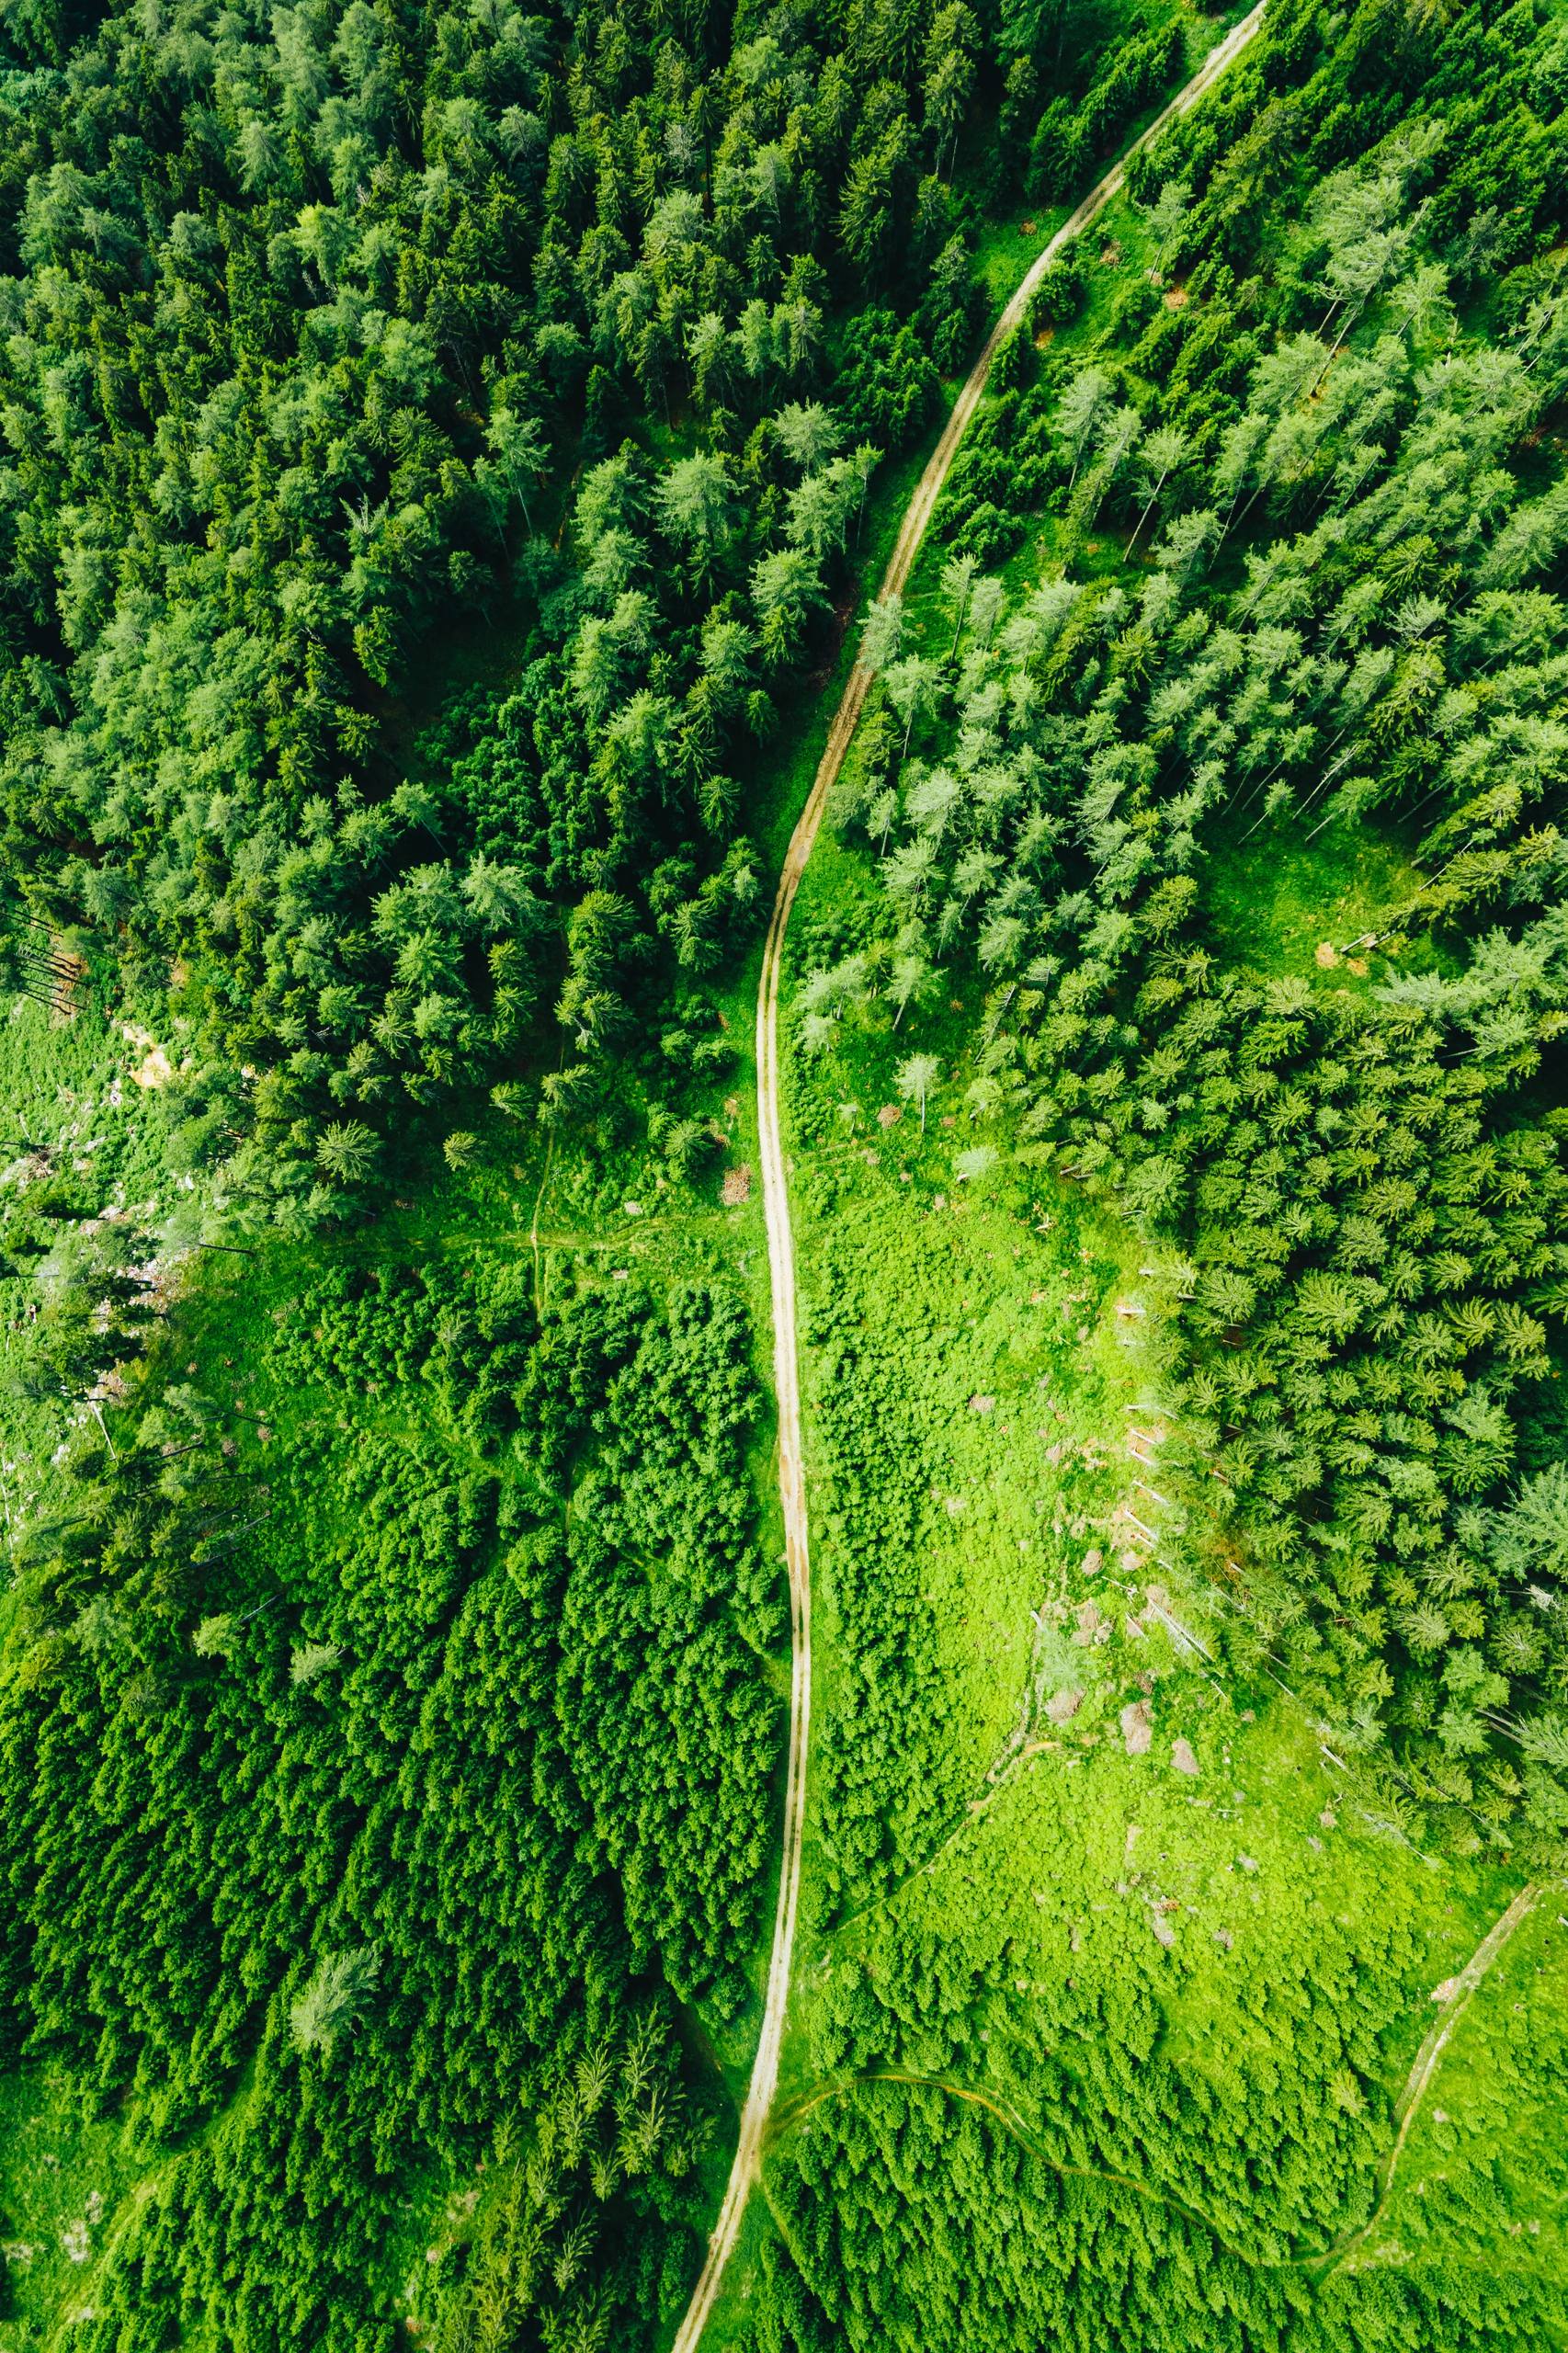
(1162, 1929)
(1183, 1758)
(1062, 1706)
(1446, 1991)
(1094, 1560)
(1137, 1728)
(1089, 1621)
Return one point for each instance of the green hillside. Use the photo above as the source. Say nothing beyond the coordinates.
(817, 1614)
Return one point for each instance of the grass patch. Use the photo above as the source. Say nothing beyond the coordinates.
(61, 2181)
(1275, 901)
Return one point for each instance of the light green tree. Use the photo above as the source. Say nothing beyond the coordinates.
(916, 1078)
(334, 1998)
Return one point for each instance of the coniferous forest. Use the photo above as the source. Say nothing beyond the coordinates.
(783, 1189)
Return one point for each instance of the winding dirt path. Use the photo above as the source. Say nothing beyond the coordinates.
(775, 1207)
(1012, 2123)
(1418, 2084)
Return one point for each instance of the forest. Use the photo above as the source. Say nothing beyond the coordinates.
(464, 475)
(1331, 498)
(326, 329)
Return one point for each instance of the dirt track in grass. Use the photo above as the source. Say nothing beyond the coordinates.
(764, 2081)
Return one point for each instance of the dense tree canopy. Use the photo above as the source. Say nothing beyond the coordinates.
(1336, 604)
(363, 1806)
(313, 319)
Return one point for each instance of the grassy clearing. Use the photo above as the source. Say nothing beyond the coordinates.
(1275, 902)
(985, 1369)
(61, 2181)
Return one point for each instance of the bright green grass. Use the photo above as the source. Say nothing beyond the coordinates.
(60, 2182)
(67, 1084)
(1005, 1349)
(1277, 902)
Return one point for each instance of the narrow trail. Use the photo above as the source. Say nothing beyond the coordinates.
(1418, 2084)
(776, 1205)
(538, 1205)
(1012, 2123)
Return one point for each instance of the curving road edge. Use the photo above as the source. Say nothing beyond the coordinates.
(775, 1210)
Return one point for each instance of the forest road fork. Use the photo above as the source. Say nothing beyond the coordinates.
(775, 1210)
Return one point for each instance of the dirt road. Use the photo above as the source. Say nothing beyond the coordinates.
(776, 1206)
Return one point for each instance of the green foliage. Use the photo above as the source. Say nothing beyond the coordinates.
(311, 326)
(889, 383)
(340, 1987)
(896, 2186)
(1060, 295)
(1375, 1207)
(465, 1696)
